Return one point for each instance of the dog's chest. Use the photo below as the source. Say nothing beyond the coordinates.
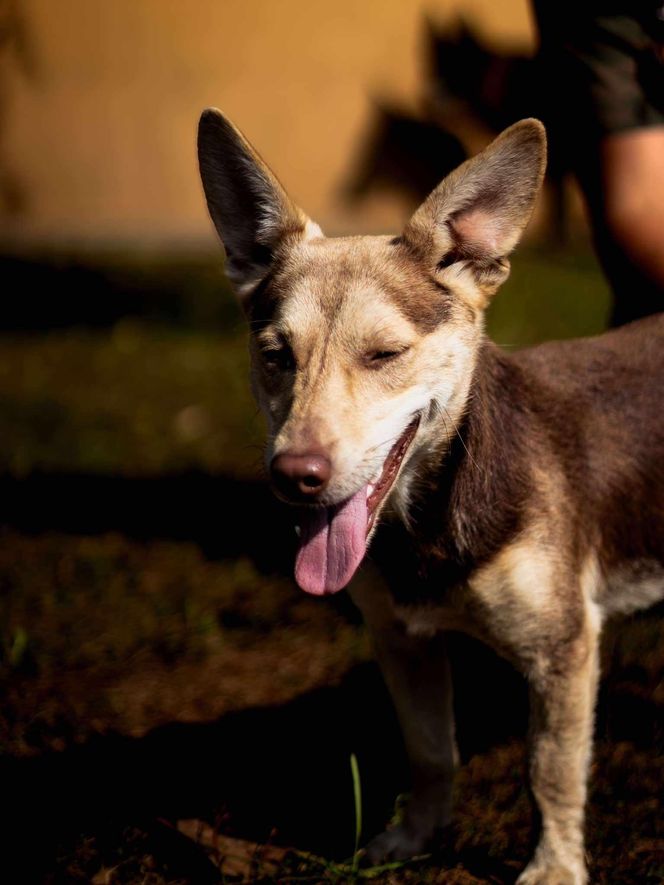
(465, 606)
(508, 602)
(426, 620)
(425, 598)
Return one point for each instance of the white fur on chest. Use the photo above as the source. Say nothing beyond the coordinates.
(633, 587)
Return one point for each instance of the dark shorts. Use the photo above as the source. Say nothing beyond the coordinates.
(608, 62)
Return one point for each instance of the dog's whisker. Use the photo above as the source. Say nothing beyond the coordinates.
(463, 443)
(390, 440)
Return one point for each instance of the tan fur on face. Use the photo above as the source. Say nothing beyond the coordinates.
(336, 302)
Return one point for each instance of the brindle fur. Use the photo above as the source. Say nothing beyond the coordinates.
(530, 505)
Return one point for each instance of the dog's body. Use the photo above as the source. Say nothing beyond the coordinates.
(526, 491)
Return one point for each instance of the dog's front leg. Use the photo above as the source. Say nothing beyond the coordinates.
(417, 674)
(562, 695)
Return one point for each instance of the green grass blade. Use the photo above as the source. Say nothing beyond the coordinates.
(357, 794)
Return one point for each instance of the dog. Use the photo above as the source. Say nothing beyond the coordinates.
(515, 497)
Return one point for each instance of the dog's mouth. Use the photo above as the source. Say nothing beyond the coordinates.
(333, 540)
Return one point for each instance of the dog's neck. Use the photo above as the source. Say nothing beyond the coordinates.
(482, 482)
(468, 500)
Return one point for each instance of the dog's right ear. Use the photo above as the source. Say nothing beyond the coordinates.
(252, 213)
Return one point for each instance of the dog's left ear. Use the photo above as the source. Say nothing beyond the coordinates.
(253, 214)
(475, 217)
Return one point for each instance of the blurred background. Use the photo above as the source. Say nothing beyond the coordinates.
(171, 703)
(100, 100)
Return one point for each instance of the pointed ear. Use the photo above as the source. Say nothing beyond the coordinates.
(474, 218)
(251, 211)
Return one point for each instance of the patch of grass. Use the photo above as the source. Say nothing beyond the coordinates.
(549, 296)
(133, 400)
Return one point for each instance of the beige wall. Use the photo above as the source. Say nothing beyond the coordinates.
(103, 140)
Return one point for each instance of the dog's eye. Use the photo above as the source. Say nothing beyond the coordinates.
(279, 358)
(376, 358)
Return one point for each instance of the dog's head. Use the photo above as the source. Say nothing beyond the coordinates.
(363, 348)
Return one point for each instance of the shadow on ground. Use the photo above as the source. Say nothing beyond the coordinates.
(226, 516)
(265, 769)
(280, 773)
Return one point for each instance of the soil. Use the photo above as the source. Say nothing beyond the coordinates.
(226, 756)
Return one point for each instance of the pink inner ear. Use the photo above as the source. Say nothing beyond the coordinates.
(479, 228)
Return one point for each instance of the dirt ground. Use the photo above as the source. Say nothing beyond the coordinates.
(168, 721)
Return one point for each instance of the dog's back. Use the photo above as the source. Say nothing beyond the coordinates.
(602, 401)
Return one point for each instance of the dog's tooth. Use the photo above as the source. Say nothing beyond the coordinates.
(298, 530)
(370, 489)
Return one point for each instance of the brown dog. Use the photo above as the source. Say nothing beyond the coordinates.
(521, 495)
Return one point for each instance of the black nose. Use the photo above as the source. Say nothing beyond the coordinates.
(300, 477)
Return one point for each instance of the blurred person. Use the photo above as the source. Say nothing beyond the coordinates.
(605, 64)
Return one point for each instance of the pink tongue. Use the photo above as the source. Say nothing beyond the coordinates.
(332, 545)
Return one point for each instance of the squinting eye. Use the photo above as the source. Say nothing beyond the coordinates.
(281, 359)
(376, 358)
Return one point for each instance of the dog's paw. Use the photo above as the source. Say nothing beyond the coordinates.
(537, 873)
(397, 843)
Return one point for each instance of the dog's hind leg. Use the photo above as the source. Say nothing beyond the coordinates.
(417, 674)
